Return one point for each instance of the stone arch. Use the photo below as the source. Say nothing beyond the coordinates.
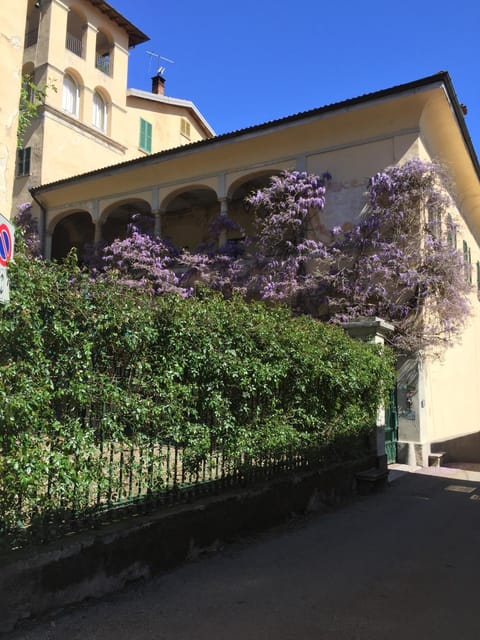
(71, 229)
(175, 193)
(188, 214)
(76, 28)
(28, 69)
(104, 52)
(117, 216)
(76, 75)
(237, 192)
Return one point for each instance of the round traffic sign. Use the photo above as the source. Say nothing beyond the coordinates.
(6, 245)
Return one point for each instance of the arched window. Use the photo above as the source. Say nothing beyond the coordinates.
(70, 96)
(99, 118)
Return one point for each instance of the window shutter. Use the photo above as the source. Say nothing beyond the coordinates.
(185, 128)
(23, 161)
(99, 112)
(145, 135)
(451, 232)
(142, 133)
(148, 146)
(70, 96)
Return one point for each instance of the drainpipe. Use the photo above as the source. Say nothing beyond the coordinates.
(43, 224)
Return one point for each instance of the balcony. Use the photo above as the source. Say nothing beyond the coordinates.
(31, 38)
(74, 44)
(102, 62)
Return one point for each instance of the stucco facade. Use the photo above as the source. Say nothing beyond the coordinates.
(12, 29)
(185, 188)
(79, 49)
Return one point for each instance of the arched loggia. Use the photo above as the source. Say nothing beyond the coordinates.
(75, 230)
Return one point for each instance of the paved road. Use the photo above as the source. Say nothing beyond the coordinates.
(404, 563)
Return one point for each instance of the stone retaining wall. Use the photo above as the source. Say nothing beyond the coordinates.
(93, 563)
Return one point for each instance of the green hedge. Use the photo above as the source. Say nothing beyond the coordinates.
(83, 361)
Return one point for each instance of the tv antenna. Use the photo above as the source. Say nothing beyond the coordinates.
(156, 57)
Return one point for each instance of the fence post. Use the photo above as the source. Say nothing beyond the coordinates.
(373, 330)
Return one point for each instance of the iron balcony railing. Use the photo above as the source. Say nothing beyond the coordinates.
(31, 38)
(103, 64)
(74, 44)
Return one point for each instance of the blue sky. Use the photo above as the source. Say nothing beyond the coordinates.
(249, 62)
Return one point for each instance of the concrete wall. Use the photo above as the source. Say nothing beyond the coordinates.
(464, 448)
(12, 31)
(94, 563)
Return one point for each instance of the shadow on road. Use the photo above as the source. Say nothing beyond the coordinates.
(404, 562)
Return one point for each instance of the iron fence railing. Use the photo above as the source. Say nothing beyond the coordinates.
(103, 64)
(31, 38)
(122, 478)
(74, 44)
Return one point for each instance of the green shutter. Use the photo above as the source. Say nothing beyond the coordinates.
(478, 275)
(23, 162)
(145, 136)
(451, 232)
(467, 262)
(148, 146)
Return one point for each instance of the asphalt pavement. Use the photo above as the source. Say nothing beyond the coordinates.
(401, 563)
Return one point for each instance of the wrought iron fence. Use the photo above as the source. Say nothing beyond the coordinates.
(126, 478)
(103, 63)
(74, 44)
(31, 38)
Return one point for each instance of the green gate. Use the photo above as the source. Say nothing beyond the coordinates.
(391, 428)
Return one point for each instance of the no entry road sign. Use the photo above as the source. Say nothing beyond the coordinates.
(6, 245)
(6, 255)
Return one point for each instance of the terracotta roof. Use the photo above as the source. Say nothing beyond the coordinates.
(135, 36)
(441, 77)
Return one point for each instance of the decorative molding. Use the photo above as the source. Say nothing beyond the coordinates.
(62, 5)
(120, 48)
(68, 121)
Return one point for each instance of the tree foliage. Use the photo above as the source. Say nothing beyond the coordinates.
(83, 363)
(286, 213)
(400, 262)
(32, 97)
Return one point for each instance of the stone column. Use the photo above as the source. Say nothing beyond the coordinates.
(90, 44)
(373, 330)
(157, 229)
(222, 239)
(98, 232)
(48, 245)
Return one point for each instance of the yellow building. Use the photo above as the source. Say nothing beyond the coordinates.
(184, 188)
(12, 29)
(79, 49)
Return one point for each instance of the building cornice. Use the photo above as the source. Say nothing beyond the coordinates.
(77, 124)
(135, 36)
(175, 102)
(441, 79)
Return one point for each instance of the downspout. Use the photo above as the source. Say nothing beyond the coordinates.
(43, 223)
